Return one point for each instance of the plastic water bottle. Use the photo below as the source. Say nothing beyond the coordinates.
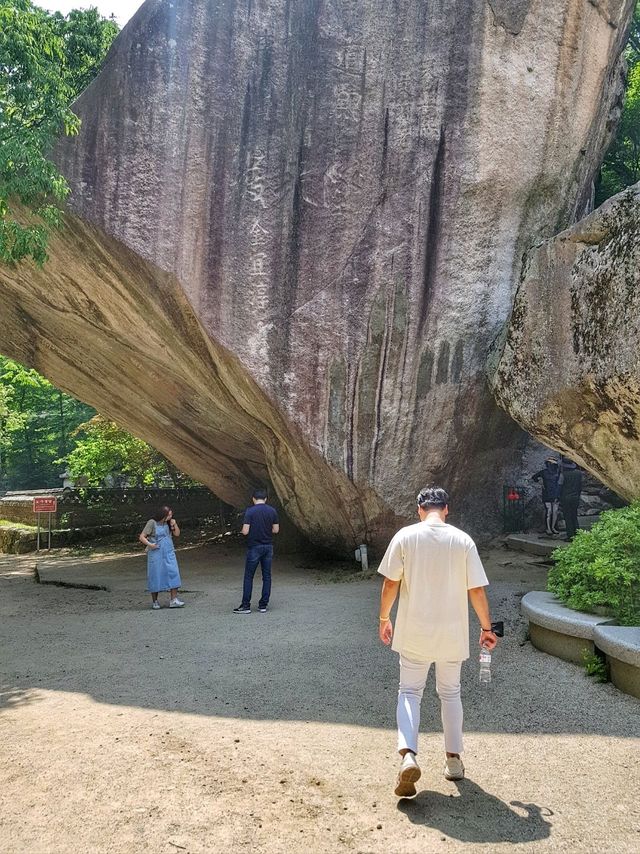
(485, 666)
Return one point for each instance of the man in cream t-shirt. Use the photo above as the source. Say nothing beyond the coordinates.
(437, 569)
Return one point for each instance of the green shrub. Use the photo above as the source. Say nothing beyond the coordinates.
(601, 567)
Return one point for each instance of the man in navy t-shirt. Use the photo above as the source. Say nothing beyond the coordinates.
(259, 525)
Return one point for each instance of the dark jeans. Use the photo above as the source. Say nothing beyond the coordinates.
(570, 513)
(262, 555)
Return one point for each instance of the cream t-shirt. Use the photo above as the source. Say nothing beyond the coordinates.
(436, 563)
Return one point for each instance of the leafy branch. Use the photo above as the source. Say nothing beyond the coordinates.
(45, 61)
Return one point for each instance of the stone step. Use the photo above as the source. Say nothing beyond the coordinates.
(541, 544)
(534, 544)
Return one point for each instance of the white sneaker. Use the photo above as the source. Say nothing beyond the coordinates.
(176, 603)
(409, 774)
(453, 768)
(156, 605)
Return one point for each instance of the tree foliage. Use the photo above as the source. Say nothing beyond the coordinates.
(37, 421)
(45, 61)
(87, 37)
(43, 431)
(621, 166)
(103, 450)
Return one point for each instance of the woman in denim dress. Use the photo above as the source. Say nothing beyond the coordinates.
(162, 565)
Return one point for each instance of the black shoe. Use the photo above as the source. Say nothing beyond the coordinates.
(242, 610)
(262, 609)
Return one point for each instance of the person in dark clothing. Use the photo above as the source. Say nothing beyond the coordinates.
(259, 525)
(570, 489)
(550, 476)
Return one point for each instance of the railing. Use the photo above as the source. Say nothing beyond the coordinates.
(92, 496)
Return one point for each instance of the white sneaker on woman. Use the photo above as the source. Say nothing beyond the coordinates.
(176, 603)
(156, 605)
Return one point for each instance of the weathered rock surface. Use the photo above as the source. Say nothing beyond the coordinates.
(568, 367)
(324, 208)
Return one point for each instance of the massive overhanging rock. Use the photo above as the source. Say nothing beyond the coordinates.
(568, 366)
(120, 333)
(323, 208)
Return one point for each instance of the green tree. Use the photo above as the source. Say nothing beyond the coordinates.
(87, 37)
(10, 423)
(103, 449)
(37, 422)
(45, 60)
(621, 166)
(43, 430)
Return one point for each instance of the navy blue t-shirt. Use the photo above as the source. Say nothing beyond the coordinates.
(260, 518)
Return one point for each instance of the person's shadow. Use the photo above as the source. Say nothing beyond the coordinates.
(477, 816)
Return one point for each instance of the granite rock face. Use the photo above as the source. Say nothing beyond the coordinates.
(568, 367)
(338, 194)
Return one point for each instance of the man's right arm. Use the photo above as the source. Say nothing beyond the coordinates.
(392, 568)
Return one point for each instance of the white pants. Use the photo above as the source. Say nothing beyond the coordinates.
(413, 677)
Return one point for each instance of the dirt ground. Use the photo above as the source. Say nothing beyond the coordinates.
(128, 730)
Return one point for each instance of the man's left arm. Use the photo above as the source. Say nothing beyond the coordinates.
(480, 604)
(476, 583)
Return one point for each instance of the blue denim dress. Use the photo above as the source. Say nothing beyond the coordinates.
(162, 566)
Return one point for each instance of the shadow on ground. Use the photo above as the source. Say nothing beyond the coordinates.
(476, 816)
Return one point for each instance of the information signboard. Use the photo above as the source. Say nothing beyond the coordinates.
(44, 504)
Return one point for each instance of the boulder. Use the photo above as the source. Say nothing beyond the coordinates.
(568, 366)
(297, 228)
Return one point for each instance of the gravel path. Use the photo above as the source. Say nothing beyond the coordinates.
(127, 730)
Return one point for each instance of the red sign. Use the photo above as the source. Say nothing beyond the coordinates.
(45, 504)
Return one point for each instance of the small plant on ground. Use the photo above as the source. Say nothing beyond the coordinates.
(601, 567)
(595, 666)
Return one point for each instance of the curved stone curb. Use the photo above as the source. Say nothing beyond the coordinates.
(621, 645)
(545, 610)
(559, 630)
(621, 642)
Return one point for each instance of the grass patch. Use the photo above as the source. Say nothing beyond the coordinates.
(8, 523)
